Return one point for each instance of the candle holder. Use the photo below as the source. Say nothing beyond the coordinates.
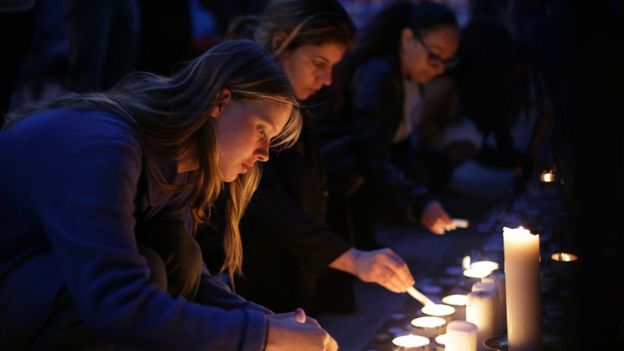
(439, 310)
(497, 343)
(410, 342)
(564, 265)
(440, 342)
(428, 326)
(457, 301)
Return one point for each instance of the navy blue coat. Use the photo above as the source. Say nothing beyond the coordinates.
(75, 195)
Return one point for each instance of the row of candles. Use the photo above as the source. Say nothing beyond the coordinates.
(496, 303)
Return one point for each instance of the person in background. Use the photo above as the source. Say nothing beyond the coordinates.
(103, 42)
(376, 104)
(17, 25)
(288, 246)
(97, 213)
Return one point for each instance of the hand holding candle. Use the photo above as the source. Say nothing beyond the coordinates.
(383, 267)
(420, 296)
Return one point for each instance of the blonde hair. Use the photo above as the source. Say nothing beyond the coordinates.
(171, 117)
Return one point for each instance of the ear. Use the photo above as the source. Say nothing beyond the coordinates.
(222, 98)
(277, 41)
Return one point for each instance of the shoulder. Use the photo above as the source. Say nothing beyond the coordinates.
(76, 127)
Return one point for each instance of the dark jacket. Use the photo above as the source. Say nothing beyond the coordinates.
(286, 244)
(76, 198)
(369, 119)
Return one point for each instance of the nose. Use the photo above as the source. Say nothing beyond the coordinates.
(326, 77)
(262, 152)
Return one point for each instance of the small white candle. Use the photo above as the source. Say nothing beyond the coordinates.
(461, 336)
(438, 310)
(458, 301)
(410, 342)
(481, 310)
(493, 288)
(499, 280)
(428, 326)
(522, 289)
(477, 273)
(484, 265)
(441, 341)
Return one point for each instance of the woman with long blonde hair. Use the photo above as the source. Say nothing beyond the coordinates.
(288, 247)
(100, 194)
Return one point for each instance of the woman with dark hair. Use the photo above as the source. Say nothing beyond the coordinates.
(97, 249)
(288, 247)
(376, 101)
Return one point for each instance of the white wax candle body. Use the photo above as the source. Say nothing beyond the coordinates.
(481, 311)
(522, 290)
(493, 288)
(499, 280)
(461, 336)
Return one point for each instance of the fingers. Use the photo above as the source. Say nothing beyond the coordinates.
(436, 219)
(300, 315)
(400, 269)
(385, 268)
(331, 344)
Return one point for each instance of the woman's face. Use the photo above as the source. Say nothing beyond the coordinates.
(423, 57)
(244, 133)
(309, 66)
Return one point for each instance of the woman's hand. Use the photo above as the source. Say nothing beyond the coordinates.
(435, 218)
(383, 267)
(296, 331)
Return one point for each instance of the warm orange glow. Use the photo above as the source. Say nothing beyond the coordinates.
(564, 257)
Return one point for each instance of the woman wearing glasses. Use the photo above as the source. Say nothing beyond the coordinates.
(376, 100)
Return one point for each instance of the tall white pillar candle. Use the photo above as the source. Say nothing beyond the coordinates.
(461, 336)
(522, 290)
(499, 279)
(480, 310)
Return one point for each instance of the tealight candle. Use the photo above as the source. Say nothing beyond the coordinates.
(522, 289)
(484, 265)
(461, 336)
(481, 310)
(564, 265)
(547, 177)
(410, 342)
(438, 310)
(458, 301)
(477, 273)
(499, 280)
(428, 326)
(440, 342)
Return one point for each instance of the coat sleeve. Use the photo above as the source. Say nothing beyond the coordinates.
(273, 216)
(376, 92)
(85, 196)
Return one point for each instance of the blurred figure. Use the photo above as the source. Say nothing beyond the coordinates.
(104, 41)
(376, 103)
(17, 24)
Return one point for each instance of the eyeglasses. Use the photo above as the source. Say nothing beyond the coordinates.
(435, 60)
